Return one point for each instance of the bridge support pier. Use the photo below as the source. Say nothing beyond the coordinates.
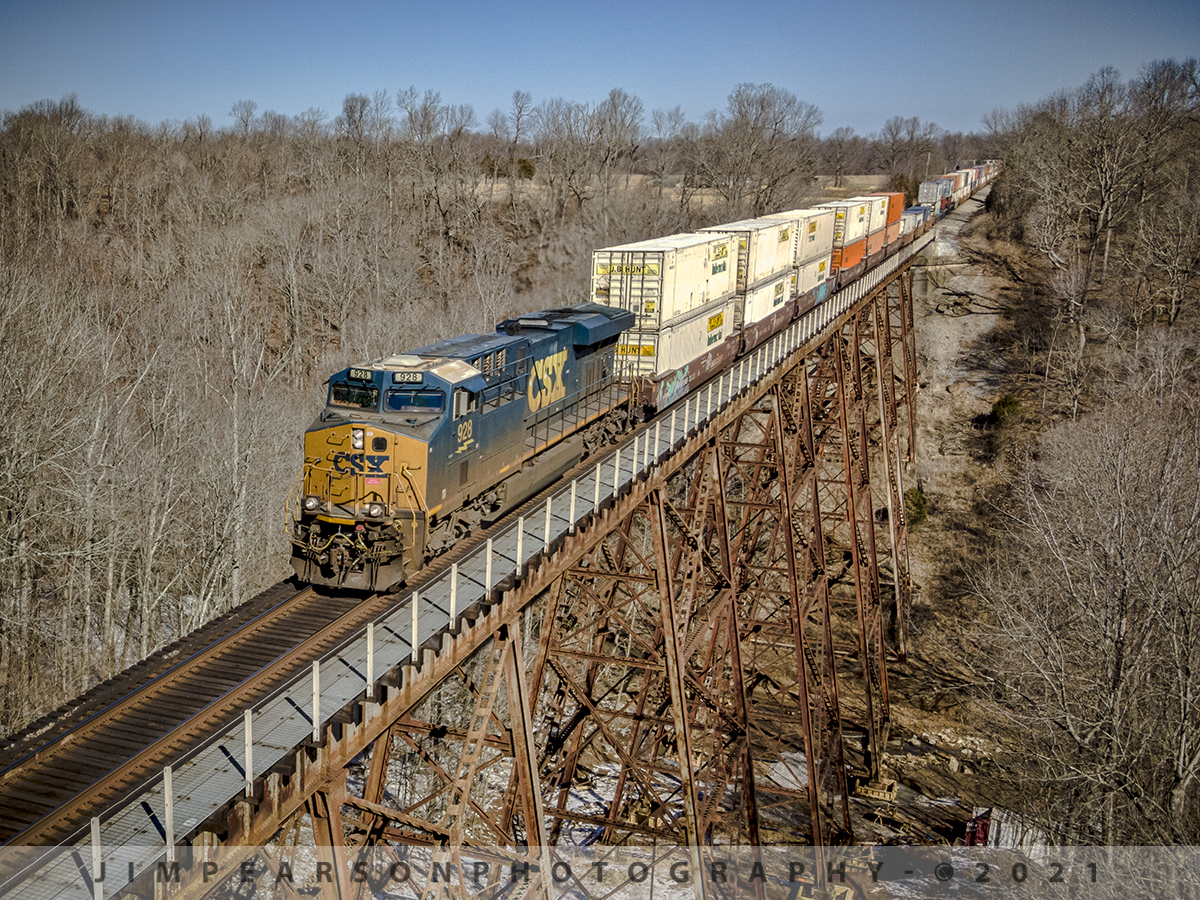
(675, 674)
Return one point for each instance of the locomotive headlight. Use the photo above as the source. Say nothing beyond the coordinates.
(375, 510)
(311, 502)
(356, 438)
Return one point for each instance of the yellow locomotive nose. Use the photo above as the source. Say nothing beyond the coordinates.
(360, 512)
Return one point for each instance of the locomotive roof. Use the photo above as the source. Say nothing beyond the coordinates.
(590, 323)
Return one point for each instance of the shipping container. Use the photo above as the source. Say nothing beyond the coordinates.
(849, 221)
(929, 192)
(682, 290)
(876, 227)
(683, 353)
(893, 236)
(912, 221)
(895, 204)
(923, 213)
(765, 309)
(877, 213)
(765, 248)
(955, 179)
(812, 282)
(814, 235)
(663, 278)
(848, 261)
(876, 246)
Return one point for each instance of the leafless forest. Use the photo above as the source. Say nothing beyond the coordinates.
(174, 296)
(1093, 589)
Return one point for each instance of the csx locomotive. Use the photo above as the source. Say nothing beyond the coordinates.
(412, 451)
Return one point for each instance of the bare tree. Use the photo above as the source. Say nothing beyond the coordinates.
(760, 150)
(842, 153)
(1171, 243)
(618, 135)
(564, 140)
(243, 113)
(1094, 606)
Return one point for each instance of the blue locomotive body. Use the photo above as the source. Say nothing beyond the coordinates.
(413, 450)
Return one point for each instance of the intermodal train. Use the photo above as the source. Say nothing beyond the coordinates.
(413, 450)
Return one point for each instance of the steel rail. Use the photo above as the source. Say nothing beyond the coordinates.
(334, 637)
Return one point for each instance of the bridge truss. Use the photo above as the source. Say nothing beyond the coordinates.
(671, 670)
(674, 673)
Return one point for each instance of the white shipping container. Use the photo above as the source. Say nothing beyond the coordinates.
(681, 342)
(661, 279)
(760, 302)
(812, 274)
(681, 288)
(765, 248)
(849, 221)
(877, 213)
(814, 233)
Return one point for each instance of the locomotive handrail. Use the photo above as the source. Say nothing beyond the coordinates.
(435, 606)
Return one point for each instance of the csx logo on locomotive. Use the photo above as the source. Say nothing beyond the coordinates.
(358, 463)
(546, 384)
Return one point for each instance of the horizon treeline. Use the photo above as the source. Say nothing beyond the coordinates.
(172, 298)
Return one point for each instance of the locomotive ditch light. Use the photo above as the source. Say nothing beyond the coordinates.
(311, 502)
(356, 438)
(375, 510)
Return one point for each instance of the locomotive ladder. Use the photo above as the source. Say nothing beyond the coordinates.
(727, 507)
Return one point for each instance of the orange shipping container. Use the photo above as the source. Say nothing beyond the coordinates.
(875, 241)
(895, 205)
(849, 255)
(893, 233)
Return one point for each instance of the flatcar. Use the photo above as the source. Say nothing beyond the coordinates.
(413, 450)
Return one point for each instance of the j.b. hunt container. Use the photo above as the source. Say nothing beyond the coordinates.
(813, 283)
(850, 222)
(814, 233)
(766, 249)
(663, 278)
(682, 288)
(812, 255)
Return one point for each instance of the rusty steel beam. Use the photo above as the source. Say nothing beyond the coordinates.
(679, 682)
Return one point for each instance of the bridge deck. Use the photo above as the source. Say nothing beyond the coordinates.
(138, 828)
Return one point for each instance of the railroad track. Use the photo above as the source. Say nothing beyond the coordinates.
(69, 766)
(78, 761)
(99, 751)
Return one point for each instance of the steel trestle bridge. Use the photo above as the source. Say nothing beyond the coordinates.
(660, 631)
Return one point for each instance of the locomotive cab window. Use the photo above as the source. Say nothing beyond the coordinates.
(414, 402)
(354, 396)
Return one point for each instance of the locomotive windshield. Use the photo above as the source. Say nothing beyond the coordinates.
(354, 396)
(414, 401)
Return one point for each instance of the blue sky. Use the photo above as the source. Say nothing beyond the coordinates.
(858, 62)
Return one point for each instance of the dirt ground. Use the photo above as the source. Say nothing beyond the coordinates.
(948, 743)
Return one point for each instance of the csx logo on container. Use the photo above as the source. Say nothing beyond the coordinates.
(358, 463)
(546, 384)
